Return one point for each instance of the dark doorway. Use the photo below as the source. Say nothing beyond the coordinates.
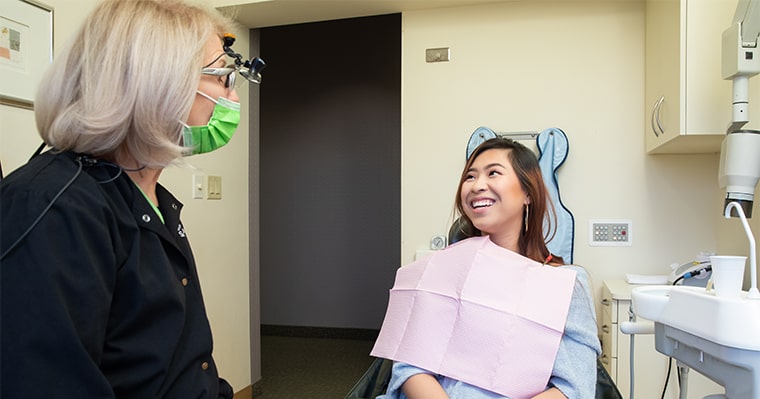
(330, 171)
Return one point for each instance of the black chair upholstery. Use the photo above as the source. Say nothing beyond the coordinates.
(459, 231)
(374, 382)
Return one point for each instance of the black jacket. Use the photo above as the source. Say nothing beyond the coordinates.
(101, 299)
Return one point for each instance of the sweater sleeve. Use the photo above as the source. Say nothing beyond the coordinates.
(455, 389)
(399, 374)
(575, 365)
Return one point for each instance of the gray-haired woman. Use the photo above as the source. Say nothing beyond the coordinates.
(99, 288)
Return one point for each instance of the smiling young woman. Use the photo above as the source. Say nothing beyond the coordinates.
(509, 172)
(512, 277)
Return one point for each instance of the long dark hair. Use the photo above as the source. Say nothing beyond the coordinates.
(532, 243)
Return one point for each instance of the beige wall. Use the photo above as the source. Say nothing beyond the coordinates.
(577, 66)
(515, 66)
(218, 229)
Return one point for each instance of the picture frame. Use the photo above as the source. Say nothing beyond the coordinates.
(26, 50)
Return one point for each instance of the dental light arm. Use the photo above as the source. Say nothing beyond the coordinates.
(740, 152)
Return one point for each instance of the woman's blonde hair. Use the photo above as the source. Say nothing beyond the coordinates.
(122, 86)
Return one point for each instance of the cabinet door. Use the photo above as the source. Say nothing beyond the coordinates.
(664, 69)
(688, 103)
(609, 332)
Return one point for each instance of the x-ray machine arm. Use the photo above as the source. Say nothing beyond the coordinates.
(739, 58)
(740, 153)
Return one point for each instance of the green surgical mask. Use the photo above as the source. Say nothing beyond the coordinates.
(218, 132)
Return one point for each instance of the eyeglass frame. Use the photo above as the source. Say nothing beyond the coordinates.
(228, 71)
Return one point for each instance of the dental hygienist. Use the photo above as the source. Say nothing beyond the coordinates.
(98, 285)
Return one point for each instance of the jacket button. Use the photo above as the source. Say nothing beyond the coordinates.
(174, 206)
(184, 281)
(204, 365)
(146, 218)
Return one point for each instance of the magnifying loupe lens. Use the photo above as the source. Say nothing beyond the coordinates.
(253, 73)
(250, 76)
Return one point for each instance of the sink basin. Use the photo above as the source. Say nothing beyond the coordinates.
(649, 300)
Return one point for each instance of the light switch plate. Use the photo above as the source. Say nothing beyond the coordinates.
(437, 54)
(198, 186)
(214, 188)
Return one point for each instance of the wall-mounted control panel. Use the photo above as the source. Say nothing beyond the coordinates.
(610, 233)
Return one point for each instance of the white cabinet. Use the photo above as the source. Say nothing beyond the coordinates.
(688, 104)
(609, 330)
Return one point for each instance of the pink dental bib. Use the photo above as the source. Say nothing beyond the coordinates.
(480, 314)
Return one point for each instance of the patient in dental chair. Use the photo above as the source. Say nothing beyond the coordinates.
(495, 315)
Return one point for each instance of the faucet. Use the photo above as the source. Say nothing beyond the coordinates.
(753, 291)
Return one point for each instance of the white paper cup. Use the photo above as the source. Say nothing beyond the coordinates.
(728, 275)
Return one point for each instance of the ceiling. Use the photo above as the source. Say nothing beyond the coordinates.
(263, 13)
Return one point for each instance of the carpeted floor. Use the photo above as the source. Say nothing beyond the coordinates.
(311, 368)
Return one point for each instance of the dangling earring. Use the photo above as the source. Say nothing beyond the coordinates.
(527, 211)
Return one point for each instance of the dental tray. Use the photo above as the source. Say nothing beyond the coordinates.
(733, 322)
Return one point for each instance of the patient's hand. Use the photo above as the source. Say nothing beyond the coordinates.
(425, 386)
(551, 393)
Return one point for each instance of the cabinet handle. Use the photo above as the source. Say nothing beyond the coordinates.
(605, 302)
(605, 359)
(659, 121)
(658, 129)
(651, 119)
(605, 329)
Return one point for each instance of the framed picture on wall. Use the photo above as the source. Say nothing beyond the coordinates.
(26, 49)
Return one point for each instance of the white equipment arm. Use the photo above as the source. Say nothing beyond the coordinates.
(739, 58)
